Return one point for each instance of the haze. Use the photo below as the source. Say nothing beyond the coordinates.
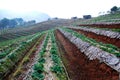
(55, 8)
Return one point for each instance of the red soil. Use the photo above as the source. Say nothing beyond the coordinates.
(79, 67)
(100, 38)
(112, 26)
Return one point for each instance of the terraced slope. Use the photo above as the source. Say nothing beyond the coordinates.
(101, 35)
(13, 33)
(86, 62)
(63, 53)
(103, 19)
(14, 59)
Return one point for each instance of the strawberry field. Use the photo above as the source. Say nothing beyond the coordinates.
(84, 52)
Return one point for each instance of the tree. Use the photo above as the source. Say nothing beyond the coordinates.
(114, 9)
(4, 23)
(19, 21)
(12, 23)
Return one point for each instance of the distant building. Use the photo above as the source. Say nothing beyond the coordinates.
(87, 16)
(73, 17)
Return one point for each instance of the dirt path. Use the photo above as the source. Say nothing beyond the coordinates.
(49, 63)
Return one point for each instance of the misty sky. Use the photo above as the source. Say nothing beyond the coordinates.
(59, 8)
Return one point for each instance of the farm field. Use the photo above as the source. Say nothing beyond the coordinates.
(62, 50)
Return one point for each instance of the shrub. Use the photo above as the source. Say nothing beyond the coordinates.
(57, 69)
(3, 54)
(39, 68)
(41, 60)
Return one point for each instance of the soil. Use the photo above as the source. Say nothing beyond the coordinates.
(100, 38)
(112, 26)
(79, 67)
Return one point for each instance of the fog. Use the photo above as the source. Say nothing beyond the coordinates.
(54, 8)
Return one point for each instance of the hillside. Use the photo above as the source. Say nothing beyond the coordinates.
(29, 15)
(62, 49)
(103, 19)
(39, 27)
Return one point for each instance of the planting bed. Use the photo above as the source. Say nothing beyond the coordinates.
(100, 38)
(48, 65)
(14, 61)
(79, 66)
(25, 65)
(109, 25)
(111, 33)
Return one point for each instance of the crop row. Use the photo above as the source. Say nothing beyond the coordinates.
(105, 47)
(6, 44)
(57, 67)
(13, 46)
(104, 32)
(9, 61)
(92, 51)
(38, 68)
